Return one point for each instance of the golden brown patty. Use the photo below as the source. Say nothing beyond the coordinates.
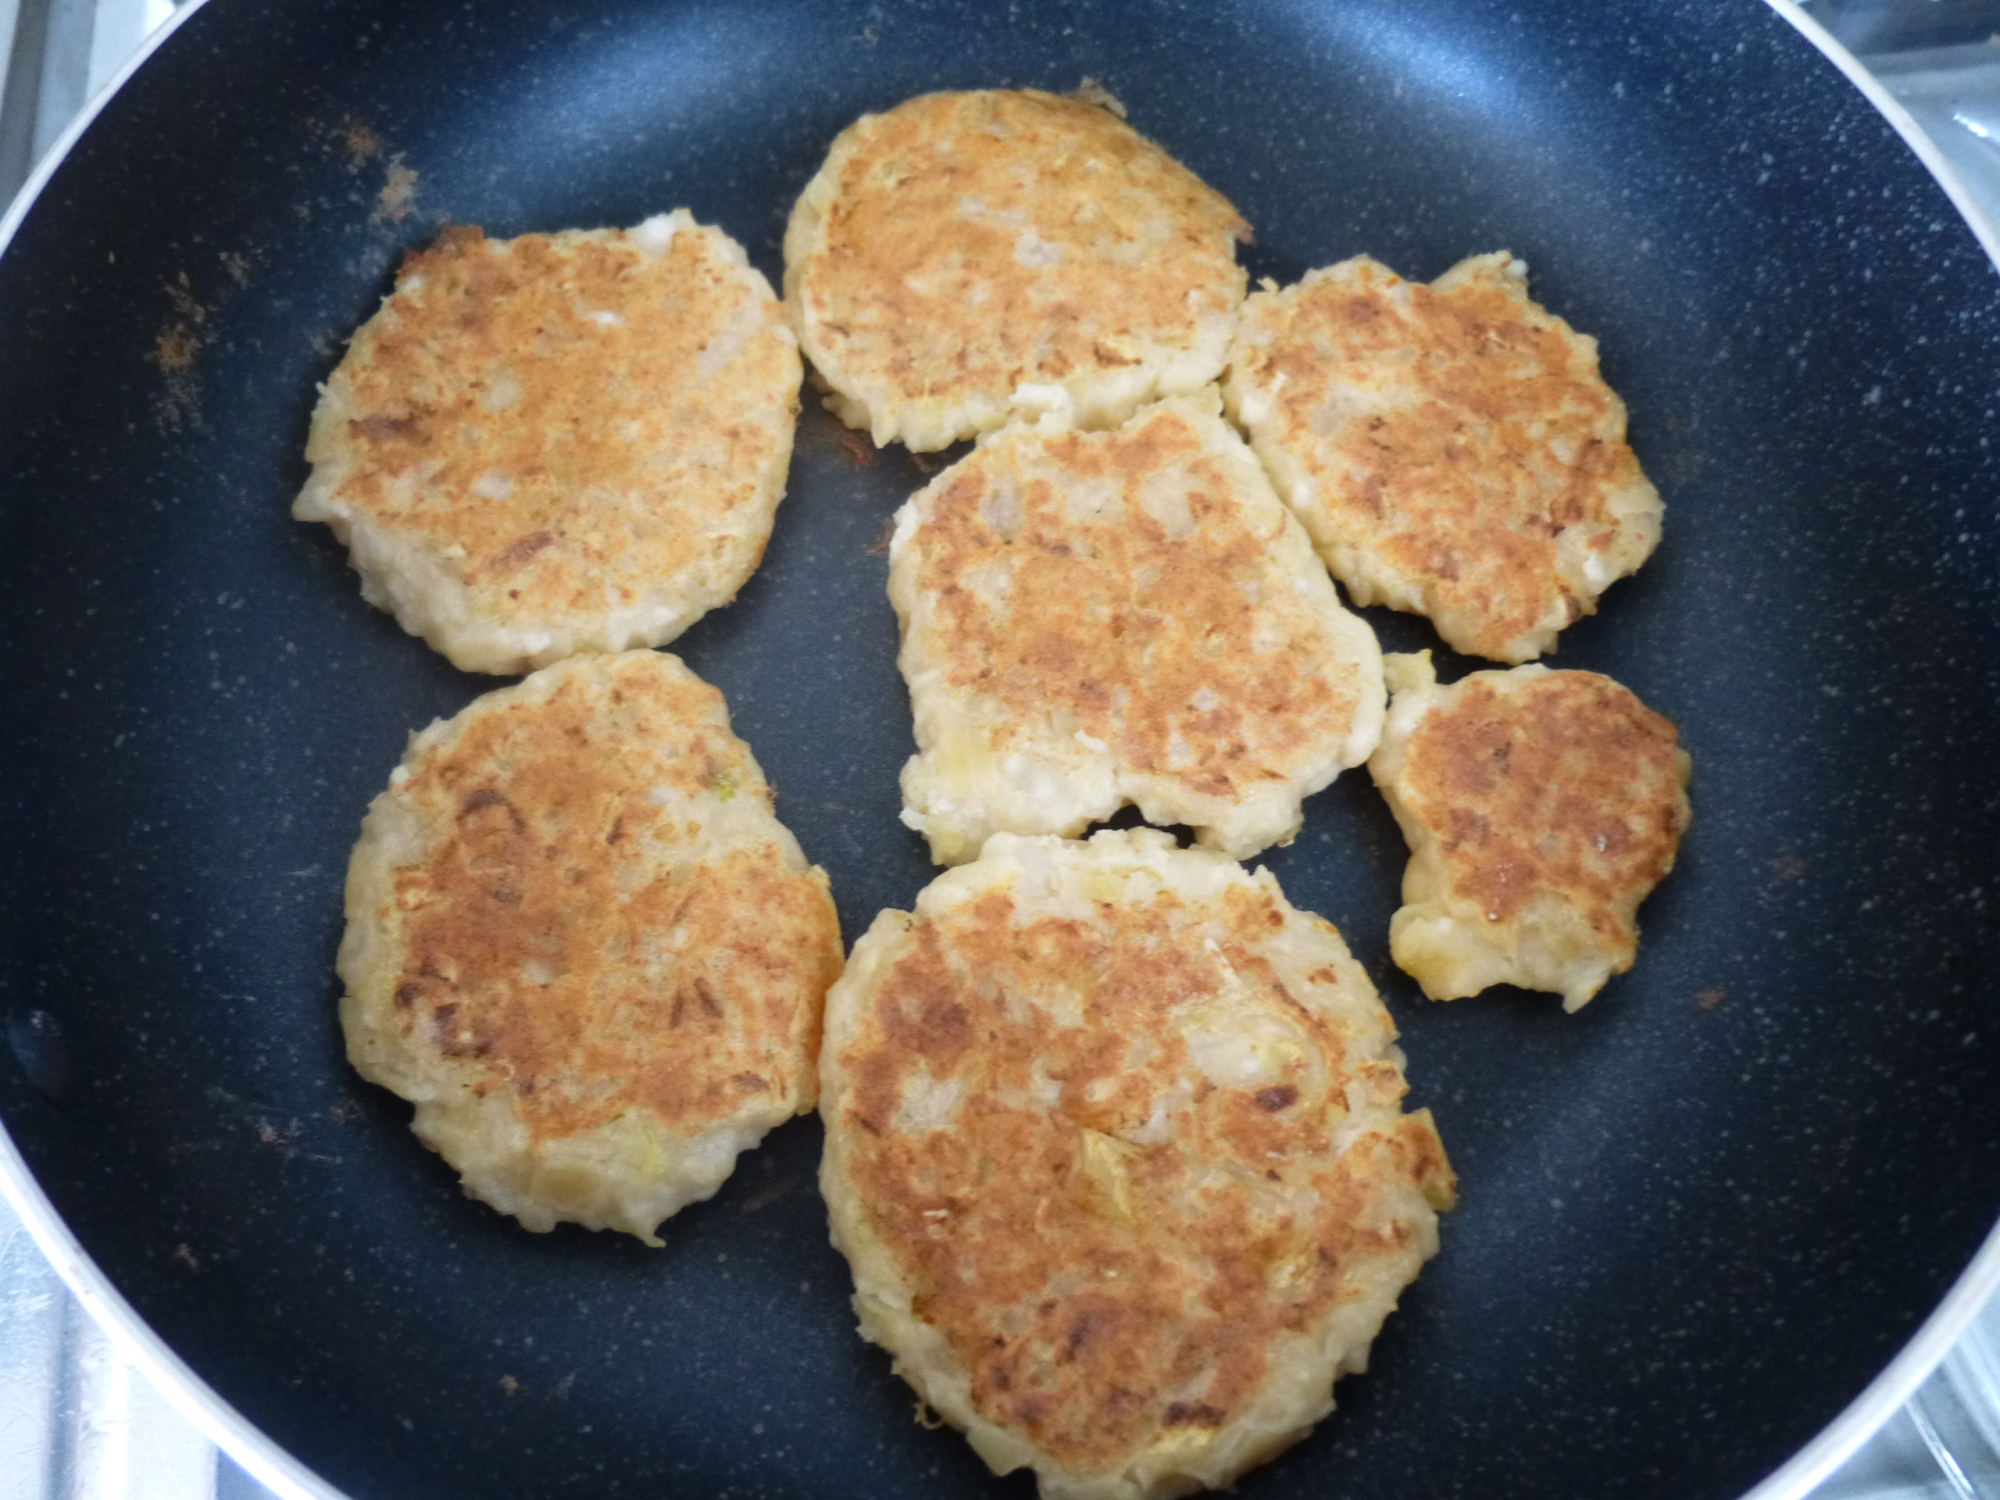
(1116, 1152)
(1451, 448)
(559, 443)
(581, 944)
(966, 255)
(1541, 808)
(1091, 619)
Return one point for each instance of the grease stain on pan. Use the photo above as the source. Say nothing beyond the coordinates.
(176, 351)
(355, 141)
(188, 328)
(185, 333)
(399, 192)
(360, 142)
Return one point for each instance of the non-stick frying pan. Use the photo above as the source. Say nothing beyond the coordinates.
(1698, 1216)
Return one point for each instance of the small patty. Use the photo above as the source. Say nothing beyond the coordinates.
(1098, 618)
(1541, 808)
(581, 944)
(1451, 448)
(965, 256)
(559, 443)
(1116, 1152)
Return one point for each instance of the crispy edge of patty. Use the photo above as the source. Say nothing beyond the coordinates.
(431, 583)
(1094, 386)
(982, 766)
(1537, 564)
(416, 931)
(1416, 1183)
(1485, 902)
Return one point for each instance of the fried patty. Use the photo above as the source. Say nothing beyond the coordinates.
(1098, 618)
(580, 942)
(1541, 808)
(1116, 1152)
(1451, 448)
(965, 256)
(559, 443)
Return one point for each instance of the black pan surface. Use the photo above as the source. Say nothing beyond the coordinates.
(1698, 1217)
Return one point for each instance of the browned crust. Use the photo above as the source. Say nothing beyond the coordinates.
(973, 242)
(554, 947)
(1562, 784)
(1461, 453)
(1124, 623)
(1107, 1297)
(535, 416)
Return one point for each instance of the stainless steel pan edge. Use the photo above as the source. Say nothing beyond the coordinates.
(1843, 1437)
(286, 1476)
(230, 1431)
(192, 1396)
(15, 212)
(1892, 110)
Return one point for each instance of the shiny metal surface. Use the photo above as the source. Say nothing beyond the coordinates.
(84, 1415)
(77, 1419)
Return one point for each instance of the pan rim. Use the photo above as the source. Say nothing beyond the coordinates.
(288, 1477)
(235, 1434)
(1891, 109)
(16, 213)
(1891, 1390)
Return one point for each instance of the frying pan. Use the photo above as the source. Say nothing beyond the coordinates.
(1698, 1217)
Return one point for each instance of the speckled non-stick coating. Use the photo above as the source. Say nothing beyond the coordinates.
(1698, 1217)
